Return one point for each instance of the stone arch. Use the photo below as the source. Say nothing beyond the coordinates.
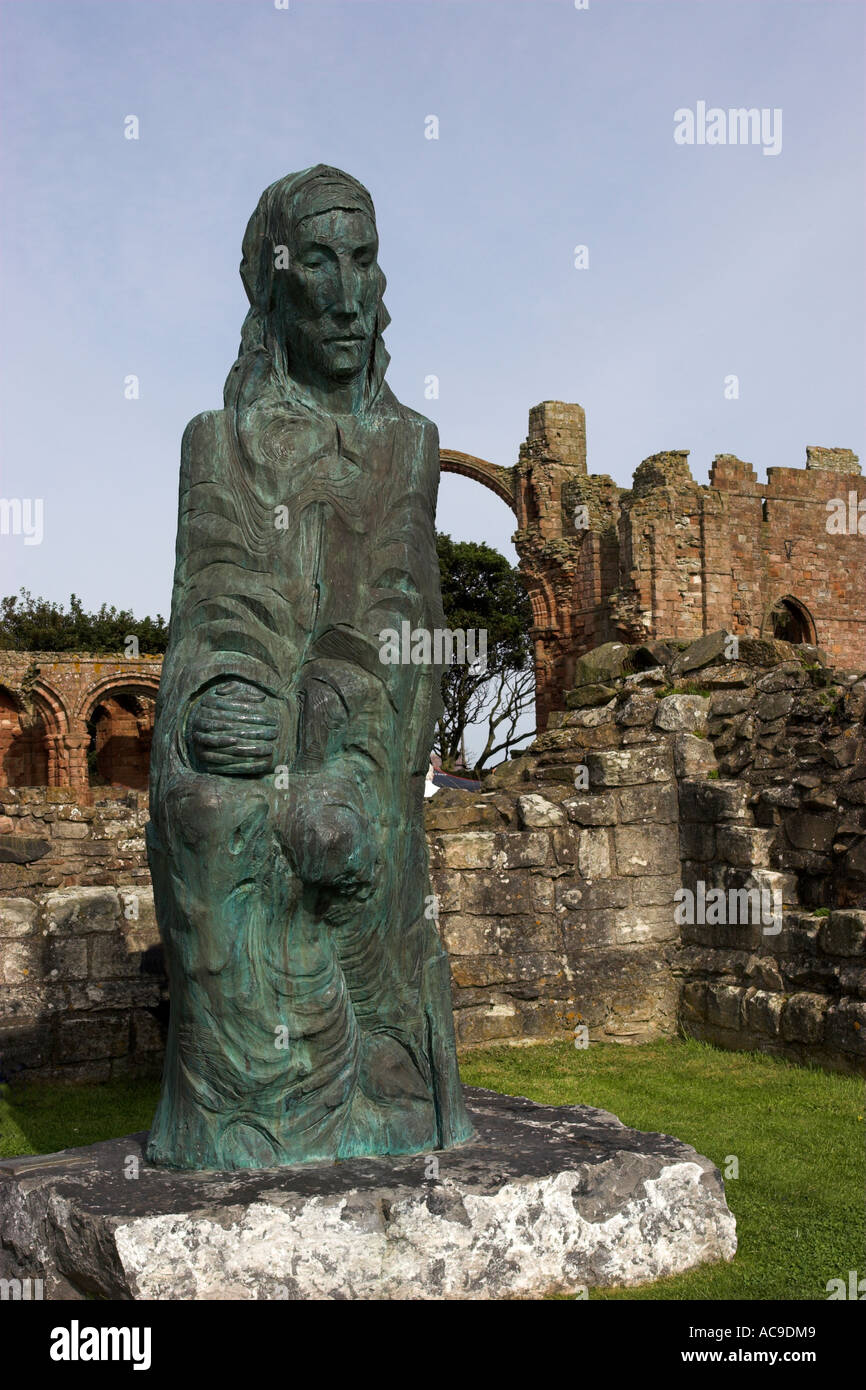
(790, 620)
(490, 475)
(117, 716)
(543, 601)
(141, 683)
(31, 745)
(513, 488)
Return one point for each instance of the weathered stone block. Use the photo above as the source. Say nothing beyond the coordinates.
(22, 849)
(600, 893)
(566, 844)
(725, 1005)
(774, 706)
(812, 833)
(589, 718)
(484, 1023)
(803, 1018)
(601, 663)
(81, 910)
(593, 859)
(19, 961)
(682, 713)
(845, 1027)
(641, 848)
(67, 958)
(589, 695)
(534, 811)
(480, 971)
(697, 841)
(509, 892)
(647, 924)
(148, 1033)
(597, 808)
(655, 801)
(641, 736)
(594, 1203)
(701, 800)
(628, 767)
(788, 676)
(762, 1011)
(637, 710)
(110, 957)
(591, 929)
(453, 810)
(744, 845)
(93, 1038)
(471, 849)
(18, 917)
(728, 702)
(71, 830)
(693, 756)
(693, 1001)
(467, 936)
(707, 649)
(843, 933)
(655, 890)
(523, 849)
(121, 994)
(763, 972)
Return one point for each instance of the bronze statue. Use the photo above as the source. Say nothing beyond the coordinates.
(310, 993)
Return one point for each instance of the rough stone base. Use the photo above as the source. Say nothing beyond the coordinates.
(546, 1199)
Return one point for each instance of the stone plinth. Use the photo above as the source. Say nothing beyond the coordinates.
(545, 1199)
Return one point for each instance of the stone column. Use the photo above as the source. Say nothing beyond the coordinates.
(75, 744)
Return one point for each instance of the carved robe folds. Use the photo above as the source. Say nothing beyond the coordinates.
(310, 995)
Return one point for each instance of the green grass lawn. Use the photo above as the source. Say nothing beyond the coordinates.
(798, 1134)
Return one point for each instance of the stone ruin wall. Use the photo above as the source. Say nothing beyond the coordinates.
(676, 558)
(556, 903)
(54, 705)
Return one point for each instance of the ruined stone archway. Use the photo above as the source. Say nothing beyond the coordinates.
(506, 484)
(32, 724)
(118, 717)
(538, 489)
(491, 475)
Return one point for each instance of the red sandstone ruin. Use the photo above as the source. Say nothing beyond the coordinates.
(673, 558)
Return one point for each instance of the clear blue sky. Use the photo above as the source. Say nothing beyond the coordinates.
(556, 128)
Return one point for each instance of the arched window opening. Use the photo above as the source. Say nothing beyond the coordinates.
(121, 732)
(791, 622)
(23, 743)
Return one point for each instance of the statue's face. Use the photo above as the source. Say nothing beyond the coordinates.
(332, 294)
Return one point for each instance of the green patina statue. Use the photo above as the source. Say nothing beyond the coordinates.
(310, 994)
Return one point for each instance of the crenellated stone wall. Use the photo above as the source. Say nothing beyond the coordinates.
(781, 558)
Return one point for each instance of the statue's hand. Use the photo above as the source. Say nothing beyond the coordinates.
(233, 730)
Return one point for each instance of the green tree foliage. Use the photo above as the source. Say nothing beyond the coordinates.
(481, 591)
(30, 624)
